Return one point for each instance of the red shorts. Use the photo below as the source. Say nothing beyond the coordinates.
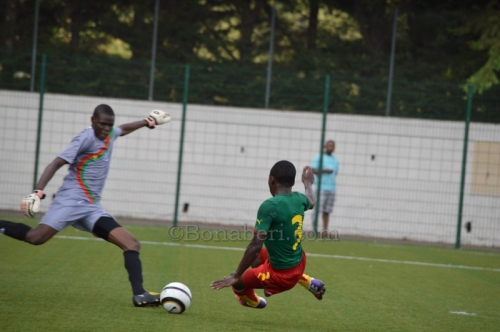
(272, 280)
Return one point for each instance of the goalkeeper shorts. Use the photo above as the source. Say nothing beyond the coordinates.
(77, 213)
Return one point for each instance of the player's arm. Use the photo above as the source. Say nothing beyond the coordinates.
(308, 180)
(251, 253)
(325, 170)
(315, 167)
(156, 117)
(31, 203)
(256, 262)
(49, 172)
(127, 128)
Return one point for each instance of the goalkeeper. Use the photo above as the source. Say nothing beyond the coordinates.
(77, 202)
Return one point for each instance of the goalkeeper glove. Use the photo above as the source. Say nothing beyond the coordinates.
(157, 117)
(31, 203)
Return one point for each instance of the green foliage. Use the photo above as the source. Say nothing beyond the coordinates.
(230, 85)
(486, 23)
(341, 37)
(105, 50)
(75, 284)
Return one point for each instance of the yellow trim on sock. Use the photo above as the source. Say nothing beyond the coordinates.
(305, 281)
(249, 301)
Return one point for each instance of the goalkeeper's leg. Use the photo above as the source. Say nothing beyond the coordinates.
(108, 229)
(38, 235)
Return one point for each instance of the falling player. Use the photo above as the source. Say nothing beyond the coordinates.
(280, 265)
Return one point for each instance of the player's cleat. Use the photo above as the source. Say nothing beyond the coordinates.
(147, 299)
(317, 288)
(261, 305)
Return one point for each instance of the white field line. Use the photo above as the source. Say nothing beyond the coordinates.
(463, 313)
(379, 260)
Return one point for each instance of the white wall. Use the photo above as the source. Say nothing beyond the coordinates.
(409, 189)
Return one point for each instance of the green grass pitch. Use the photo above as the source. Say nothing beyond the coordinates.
(78, 283)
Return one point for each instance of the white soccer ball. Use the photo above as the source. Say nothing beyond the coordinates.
(175, 297)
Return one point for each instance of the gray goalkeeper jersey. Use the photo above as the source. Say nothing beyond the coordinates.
(88, 158)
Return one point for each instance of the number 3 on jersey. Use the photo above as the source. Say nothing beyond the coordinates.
(298, 232)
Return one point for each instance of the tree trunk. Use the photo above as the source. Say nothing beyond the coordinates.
(141, 35)
(374, 26)
(312, 29)
(75, 37)
(10, 24)
(249, 18)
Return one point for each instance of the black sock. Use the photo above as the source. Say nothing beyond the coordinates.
(134, 269)
(15, 230)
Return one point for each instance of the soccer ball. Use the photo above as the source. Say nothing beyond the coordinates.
(175, 297)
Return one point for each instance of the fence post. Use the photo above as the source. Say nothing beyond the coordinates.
(40, 114)
(391, 65)
(35, 42)
(321, 148)
(464, 165)
(153, 53)
(181, 144)
(270, 57)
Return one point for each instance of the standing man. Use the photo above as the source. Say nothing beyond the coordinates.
(77, 202)
(329, 174)
(280, 265)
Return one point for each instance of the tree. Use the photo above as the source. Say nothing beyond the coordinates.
(9, 15)
(374, 19)
(486, 23)
(312, 29)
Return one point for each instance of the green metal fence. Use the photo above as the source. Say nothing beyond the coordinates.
(245, 87)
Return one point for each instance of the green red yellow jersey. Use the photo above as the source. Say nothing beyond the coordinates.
(280, 218)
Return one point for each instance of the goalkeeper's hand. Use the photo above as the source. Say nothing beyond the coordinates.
(157, 117)
(31, 203)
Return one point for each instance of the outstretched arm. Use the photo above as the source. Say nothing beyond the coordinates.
(156, 117)
(249, 257)
(127, 128)
(308, 180)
